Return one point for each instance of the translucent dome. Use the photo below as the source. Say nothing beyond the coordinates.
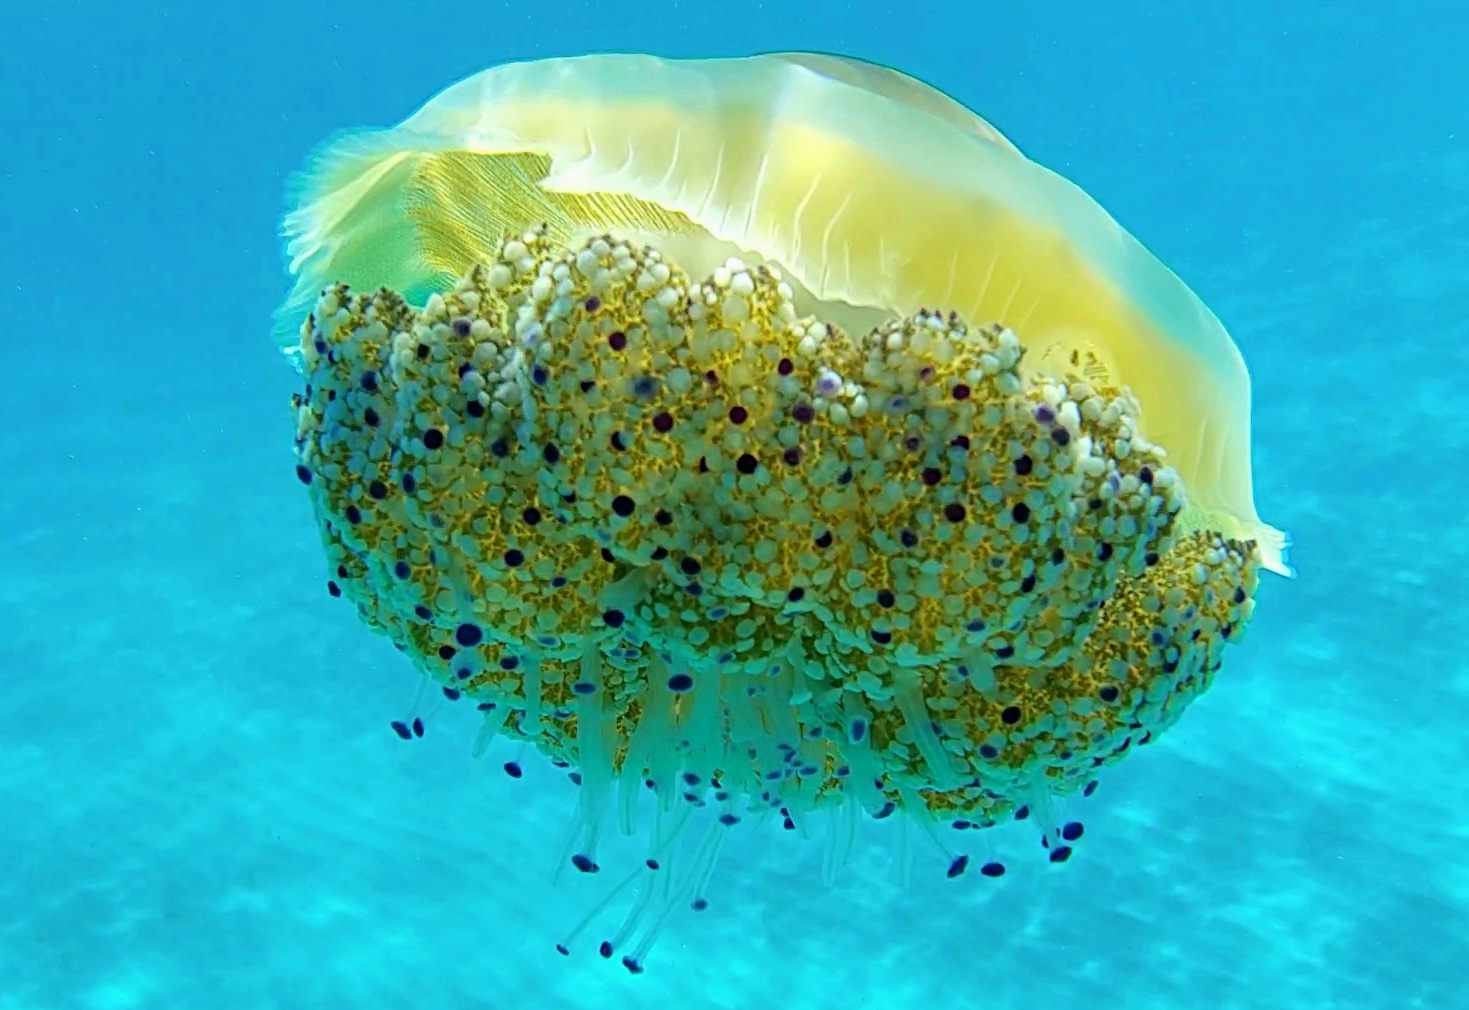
(874, 194)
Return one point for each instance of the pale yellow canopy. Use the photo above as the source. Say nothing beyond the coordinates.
(875, 193)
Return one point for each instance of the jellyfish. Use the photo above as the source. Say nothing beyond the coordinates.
(765, 441)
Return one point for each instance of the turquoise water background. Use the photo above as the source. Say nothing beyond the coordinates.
(201, 803)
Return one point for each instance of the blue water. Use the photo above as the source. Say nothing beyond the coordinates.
(201, 804)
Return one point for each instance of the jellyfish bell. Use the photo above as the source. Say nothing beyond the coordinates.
(789, 443)
(875, 194)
